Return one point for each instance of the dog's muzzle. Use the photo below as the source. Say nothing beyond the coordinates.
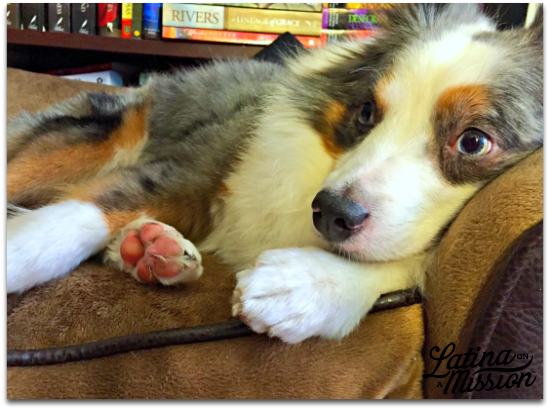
(337, 217)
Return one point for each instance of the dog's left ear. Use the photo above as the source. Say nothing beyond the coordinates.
(536, 27)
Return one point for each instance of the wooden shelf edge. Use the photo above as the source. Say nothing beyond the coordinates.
(169, 48)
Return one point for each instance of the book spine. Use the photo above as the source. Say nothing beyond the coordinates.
(151, 21)
(108, 19)
(371, 6)
(242, 19)
(14, 15)
(349, 19)
(309, 7)
(83, 18)
(234, 37)
(127, 10)
(34, 16)
(59, 17)
(330, 36)
(137, 20)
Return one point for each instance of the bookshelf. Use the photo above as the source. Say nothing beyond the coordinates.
(166, 48)
(38, 51)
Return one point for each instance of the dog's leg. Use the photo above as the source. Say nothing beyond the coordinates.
(47, 243)
(294, 294)
(78, 140)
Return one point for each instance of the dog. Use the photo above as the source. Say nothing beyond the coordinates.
(325, 182)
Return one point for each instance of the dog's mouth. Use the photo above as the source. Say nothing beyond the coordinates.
(340, 249)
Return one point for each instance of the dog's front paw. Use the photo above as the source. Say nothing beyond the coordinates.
(295, 294)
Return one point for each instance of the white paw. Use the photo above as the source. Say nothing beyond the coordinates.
(154, 252)
(295, 294)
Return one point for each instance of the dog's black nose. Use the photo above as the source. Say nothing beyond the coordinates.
(336, 216)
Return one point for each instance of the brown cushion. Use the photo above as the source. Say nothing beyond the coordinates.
(471, 255)
(382, 358)
(34, 92)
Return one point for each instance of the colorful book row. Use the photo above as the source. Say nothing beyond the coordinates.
(127, 20)
(265, 21)
(245, 23)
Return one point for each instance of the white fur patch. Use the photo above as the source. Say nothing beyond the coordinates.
(294, 294)
(49, 242)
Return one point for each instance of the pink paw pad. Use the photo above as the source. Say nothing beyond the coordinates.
(152, 253)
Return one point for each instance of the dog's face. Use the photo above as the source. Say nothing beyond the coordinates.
(418, 119)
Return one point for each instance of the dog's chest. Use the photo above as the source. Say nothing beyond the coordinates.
(267, 203)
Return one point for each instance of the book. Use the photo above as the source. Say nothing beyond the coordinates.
(14, 15)
(128, 73)
(311, 7)
(151, 21)
(33, 16)
(349, 19)
(371, 6)
(83, 18)
(241, 19)
(234, 37)
(132, 14)
(108, 19)
(59, 17)
(101, 77)
(330, 36)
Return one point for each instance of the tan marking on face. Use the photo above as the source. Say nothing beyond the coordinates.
(454, 112)
(462, 103)
(379, 95)
(333, 116)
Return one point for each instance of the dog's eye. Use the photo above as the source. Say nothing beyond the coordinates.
(474, 142)
(366, 117)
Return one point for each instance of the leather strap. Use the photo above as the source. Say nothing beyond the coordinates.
(198, 334)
